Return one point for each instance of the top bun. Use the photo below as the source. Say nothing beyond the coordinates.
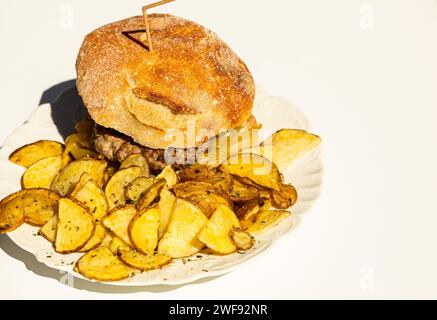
(191, 77)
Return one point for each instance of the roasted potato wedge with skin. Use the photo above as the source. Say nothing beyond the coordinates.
(166, 205)
(84, 178)
(68, 177)
(204, 173)
(169, 176)
(247, 209)
(118, 220)
(109, 172)
(39, 205)
(287, 145)
(143, 230)
(203, 195)
(115, 189)
(92, 197)
(48, 230)
(151, 195)
(242, 192)
(264, 221)
(137, 188)
(285, 197)
(243, 240)
(102, 265)
(31, 153)
(136, 160)
(96, 239)
(41, 173)
(116, 244)
(215, 234)
(256, 168)
(76, 226)
(11, 212)
(143, 262)
(180, 239)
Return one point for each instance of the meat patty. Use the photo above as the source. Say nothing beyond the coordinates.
(116, 147)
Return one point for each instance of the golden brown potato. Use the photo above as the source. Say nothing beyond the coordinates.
(256, 168)
(137, 188)
(116, 244)
(287, 145)
(92, 197)
(166, 205)
(75, 226)
(48, 230)
(169, 176)
(242, 239)
(117, 221)
(215, 233)
(143, 262)
(204, 173)
(68, 177)
(39, 205)
(41, 173)
(264, 221)
(115, 189)
(151, 195)
(31, 153)
(180, 239)
(136, 160)
(11, 212)
(285, 197)
(102, 265)
(247, 209)
(143, 230)
(243, 192)
(96, 239)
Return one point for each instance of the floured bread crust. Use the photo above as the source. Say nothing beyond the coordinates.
(191, 78)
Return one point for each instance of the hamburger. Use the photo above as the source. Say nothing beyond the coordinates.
(189, 89)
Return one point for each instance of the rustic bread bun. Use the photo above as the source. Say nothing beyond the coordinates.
(191, 77)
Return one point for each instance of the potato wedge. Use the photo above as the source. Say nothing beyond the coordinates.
(137, 188)
(68, 177)
(11, 212)
(117, 221)
(143, 230)
(39, 205)
(96, 239)
(84, 178)
(169, 176)
(203, 195)
(143, 262)
(31, 153)
(204, 173)
(102, 265)
(48, 230)
(180, 239)
(75, 226)
(287, 145)
(247, 209)
(215, 233)
(92, 197)
(117, 244)
(81, 139)
(264, 221)
(115, 189)
(41, 173)
(242, 239)
(136, 160)
(109, 172)
(166, 205)
(256, 168)
(242, 192)
(151, 195)
(285, 197)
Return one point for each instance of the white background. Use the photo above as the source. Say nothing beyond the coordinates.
(365, 74)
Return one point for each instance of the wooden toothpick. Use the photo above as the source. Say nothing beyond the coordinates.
(146, 20)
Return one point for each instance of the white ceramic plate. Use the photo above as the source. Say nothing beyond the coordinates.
(55, 121)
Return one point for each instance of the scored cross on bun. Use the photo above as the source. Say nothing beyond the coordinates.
(191, 76)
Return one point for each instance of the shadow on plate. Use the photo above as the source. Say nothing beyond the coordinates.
(65, 103)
